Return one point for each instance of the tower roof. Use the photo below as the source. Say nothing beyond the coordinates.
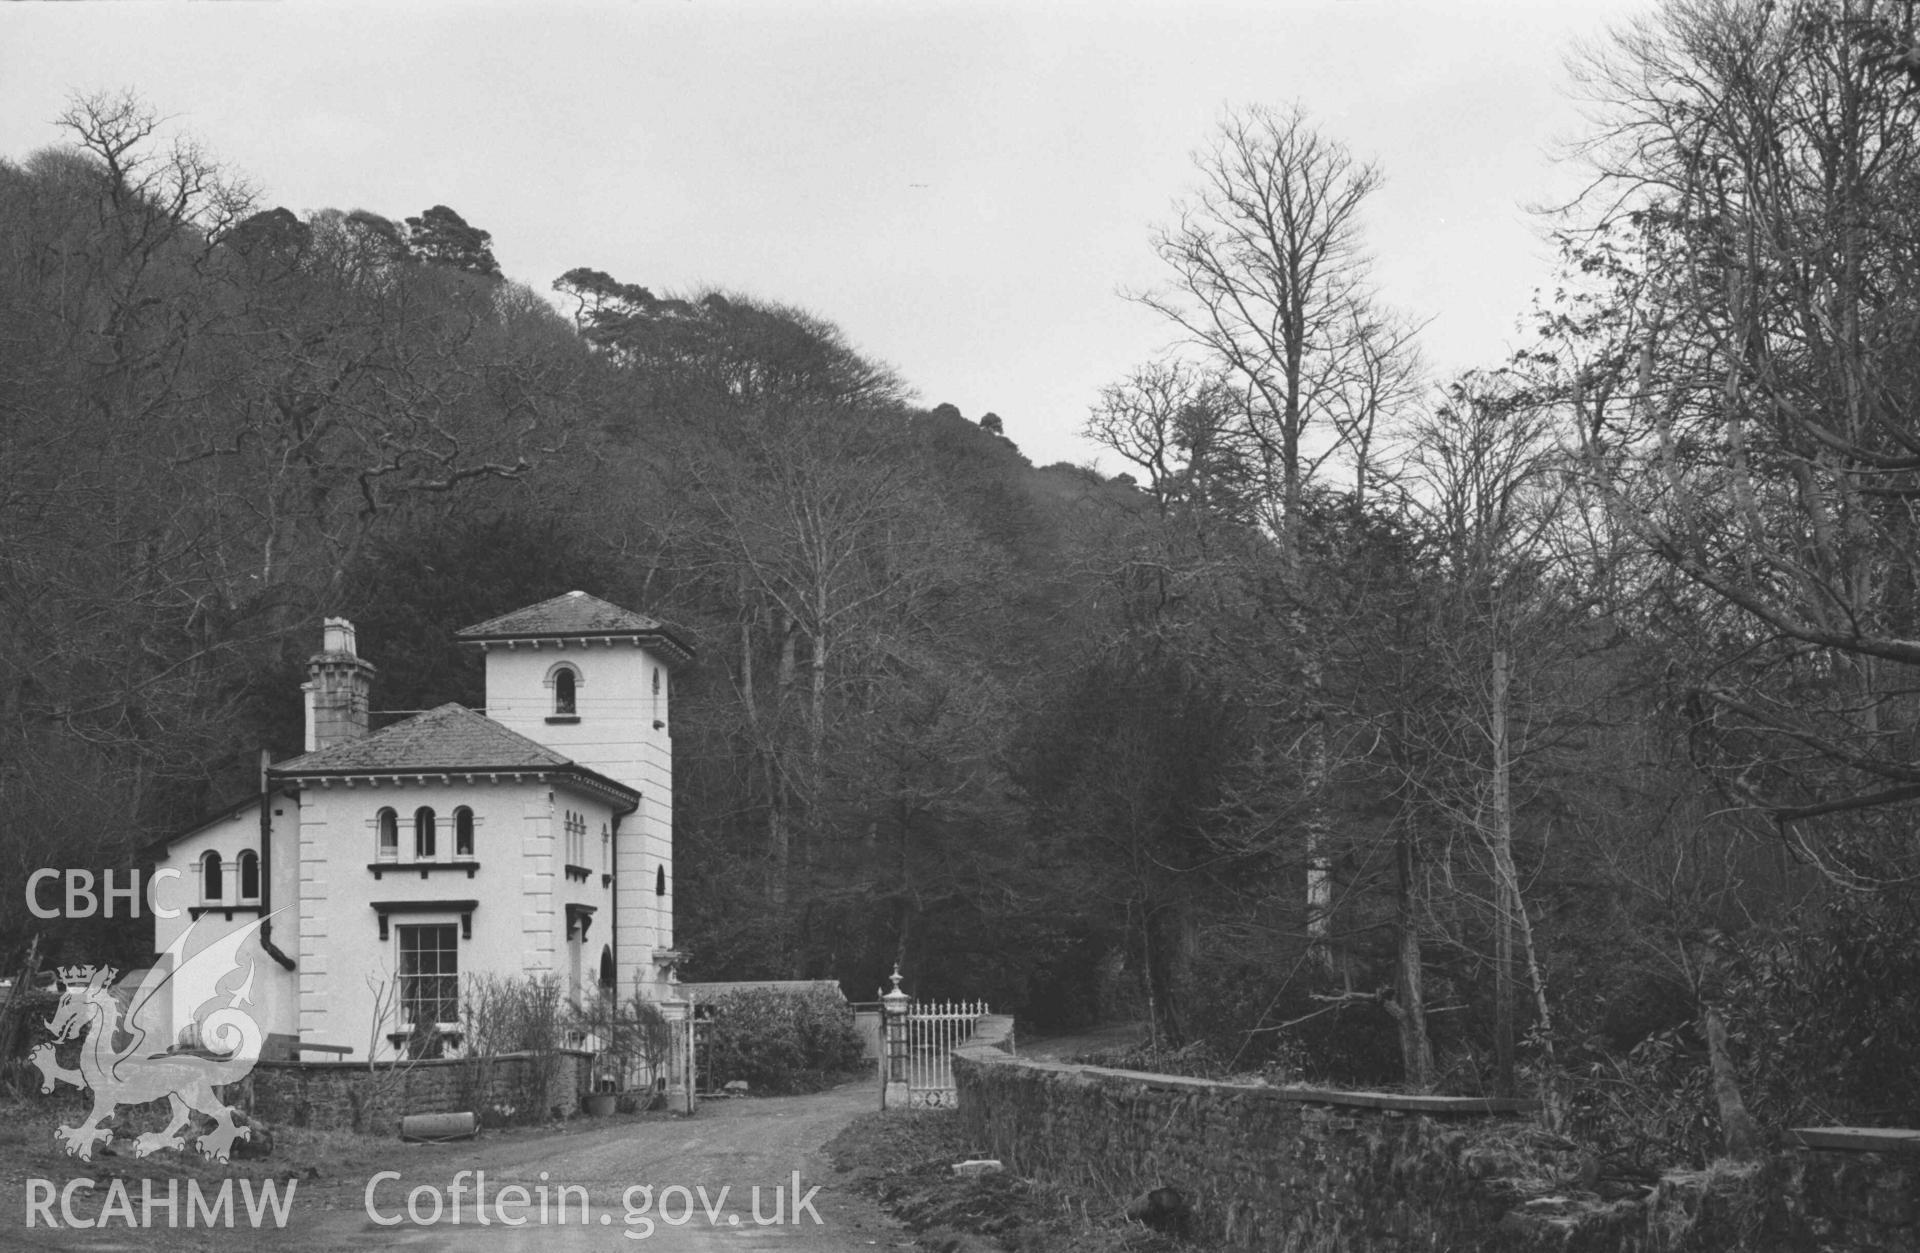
(578, 616)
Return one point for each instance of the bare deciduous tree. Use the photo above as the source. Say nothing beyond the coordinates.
(1745, 389)
(1271, 284)
(1184, 427)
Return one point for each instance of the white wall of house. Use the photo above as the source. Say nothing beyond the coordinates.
(274, 993)
(621, 727)
(513, 892)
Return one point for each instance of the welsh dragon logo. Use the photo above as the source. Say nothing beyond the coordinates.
(144, 1068)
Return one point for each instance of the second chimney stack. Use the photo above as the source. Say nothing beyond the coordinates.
(339, 688)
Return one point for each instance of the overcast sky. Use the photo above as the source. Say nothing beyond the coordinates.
(966, 188)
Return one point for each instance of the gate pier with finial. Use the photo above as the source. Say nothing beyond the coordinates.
(894, 1006)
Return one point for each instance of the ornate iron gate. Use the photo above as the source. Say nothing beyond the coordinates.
(917, 1071)
(933, 1031)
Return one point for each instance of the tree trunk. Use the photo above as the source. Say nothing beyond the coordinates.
(789, 636)
(1315, 773)
(1172, 946)
(1741, 1138)
(1409, 1007)
(1506, 891)
(779, 838)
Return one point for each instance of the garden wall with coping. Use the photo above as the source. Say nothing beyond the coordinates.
(1300, 1169)
(344, 1095)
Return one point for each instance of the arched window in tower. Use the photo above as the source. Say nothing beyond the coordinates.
(423, 825)
(212, 877)
(606, 970)
(249, 875)
(387, 842)
(463, 832)
(564, 697)
(659, 880)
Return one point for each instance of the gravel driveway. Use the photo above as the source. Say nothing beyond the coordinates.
(680, 1185)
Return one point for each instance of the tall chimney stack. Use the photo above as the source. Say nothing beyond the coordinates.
(339, 687)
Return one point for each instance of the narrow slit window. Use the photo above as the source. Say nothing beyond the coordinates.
(576, 831)
(659, 880)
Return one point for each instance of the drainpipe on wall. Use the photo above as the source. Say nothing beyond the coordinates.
(613, 910)
(266, 864)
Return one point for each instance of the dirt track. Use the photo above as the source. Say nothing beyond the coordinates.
(701, 1171)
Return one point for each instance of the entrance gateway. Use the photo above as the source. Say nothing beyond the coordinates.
(919, 1037)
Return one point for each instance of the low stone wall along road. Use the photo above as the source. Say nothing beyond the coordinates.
(682, 1185)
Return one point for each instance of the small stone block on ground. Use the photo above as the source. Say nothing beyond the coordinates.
(978, 1166)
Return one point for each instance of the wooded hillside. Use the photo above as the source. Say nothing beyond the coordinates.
(1519, 730)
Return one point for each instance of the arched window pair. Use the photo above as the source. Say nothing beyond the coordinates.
(213, 876)
(426, 832)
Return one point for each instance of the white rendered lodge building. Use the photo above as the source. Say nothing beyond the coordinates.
(535, 838)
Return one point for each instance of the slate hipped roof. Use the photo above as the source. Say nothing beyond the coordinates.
(451, 739)
(577, 615)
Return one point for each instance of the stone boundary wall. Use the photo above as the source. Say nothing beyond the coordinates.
(345, 1095)
(1842, 1189)
(1261, 1167)
(1306, 1170)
